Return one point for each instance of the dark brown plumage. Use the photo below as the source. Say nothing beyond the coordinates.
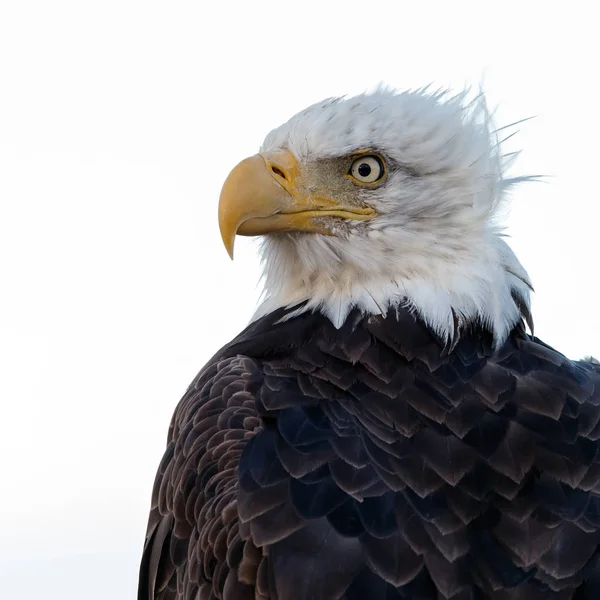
(370, 462)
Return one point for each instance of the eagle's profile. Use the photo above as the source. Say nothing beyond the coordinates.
(386, 427)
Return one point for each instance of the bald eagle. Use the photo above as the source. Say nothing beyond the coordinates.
(387, 427)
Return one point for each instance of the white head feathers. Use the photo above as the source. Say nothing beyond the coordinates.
(434, 246)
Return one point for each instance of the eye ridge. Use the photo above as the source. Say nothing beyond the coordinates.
(367, 169)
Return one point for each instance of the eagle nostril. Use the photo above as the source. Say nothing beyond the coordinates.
(278, 171)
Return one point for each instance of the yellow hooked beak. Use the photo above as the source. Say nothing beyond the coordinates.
(265, 193)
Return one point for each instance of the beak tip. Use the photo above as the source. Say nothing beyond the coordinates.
(229, 244)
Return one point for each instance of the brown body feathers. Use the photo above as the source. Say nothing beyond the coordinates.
(311, 463)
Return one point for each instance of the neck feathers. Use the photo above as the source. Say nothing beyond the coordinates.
(485, 286)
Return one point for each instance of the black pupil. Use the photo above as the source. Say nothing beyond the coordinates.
(364, 170)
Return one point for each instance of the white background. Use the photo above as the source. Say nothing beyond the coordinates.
(119, 121)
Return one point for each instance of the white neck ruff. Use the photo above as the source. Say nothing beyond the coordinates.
(487, 286)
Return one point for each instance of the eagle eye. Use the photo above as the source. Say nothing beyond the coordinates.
(367, 169)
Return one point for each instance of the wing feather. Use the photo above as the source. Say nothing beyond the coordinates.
(306, 462)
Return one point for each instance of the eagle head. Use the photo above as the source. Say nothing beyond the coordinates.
(382, 200)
